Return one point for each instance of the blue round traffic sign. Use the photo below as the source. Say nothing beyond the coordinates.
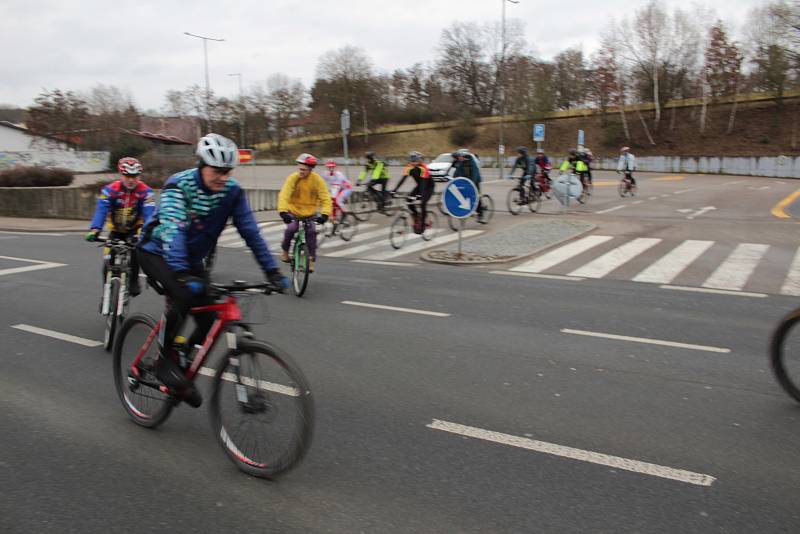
(460, 197)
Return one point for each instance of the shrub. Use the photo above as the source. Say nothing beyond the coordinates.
(35, 177)
(464, 133)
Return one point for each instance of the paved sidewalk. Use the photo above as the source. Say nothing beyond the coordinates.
(510, 243)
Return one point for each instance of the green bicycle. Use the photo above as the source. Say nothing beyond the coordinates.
(300, 258)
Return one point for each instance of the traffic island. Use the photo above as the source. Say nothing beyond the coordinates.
(511, 243)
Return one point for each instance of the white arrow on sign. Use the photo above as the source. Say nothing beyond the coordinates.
(463, 202)
(701, 211)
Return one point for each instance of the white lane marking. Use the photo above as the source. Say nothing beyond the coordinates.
(637, 202)
(652, 198)
(38, 265)
(700, 212)
(737, 268)
(733, 183)
(615, 258)
(235, 241)
(393, 263)
(57, 335)
(395, 308)
(247, 381)
(615, 208)
(616, 462)
(422, 245)
(536, 275)
(715, 291)
(682, 191)
(29, 233)
(674, 262)
(332, 243)
(561, 254)
(791, 286)
(665, 195)
(646, 340)
(497, 181)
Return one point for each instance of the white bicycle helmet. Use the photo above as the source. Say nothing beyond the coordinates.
(218, 151)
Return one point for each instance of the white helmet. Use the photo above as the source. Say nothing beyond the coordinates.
(218, 151)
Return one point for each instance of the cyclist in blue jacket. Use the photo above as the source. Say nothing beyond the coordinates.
(194, 208)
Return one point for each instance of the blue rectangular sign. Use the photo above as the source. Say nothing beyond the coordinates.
(538, 132)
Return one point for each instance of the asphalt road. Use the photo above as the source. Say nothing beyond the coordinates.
(508, 414)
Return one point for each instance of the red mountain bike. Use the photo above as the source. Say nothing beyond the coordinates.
(261, 407)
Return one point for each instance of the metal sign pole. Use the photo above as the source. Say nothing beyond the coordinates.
(460, 228)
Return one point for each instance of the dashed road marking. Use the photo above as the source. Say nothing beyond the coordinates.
(395, 308)
(38, 265)
(646, 341)
(57, 335)
(615, 462)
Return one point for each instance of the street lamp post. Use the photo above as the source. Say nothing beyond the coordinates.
(500, 147)
(242, 114)
(205, 57)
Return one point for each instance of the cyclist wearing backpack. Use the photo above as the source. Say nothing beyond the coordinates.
(125, 205)
(424, 188)
(194, 208)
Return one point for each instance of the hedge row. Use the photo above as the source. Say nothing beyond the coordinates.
(35, 177)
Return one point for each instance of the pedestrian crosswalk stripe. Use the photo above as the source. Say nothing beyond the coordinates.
(562, 254)
(674, 262)
(422, 245)
(233, 231)
(269, 235)
(791, 286)
(379, 246)
(332, 243)
(737, 268)
(615, 258)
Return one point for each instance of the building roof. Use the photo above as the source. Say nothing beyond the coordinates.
(25, 130)
(166, 139)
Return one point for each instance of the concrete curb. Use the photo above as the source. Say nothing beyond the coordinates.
(506, 259)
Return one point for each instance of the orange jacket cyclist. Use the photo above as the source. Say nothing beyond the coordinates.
(303, 195)
(125, 205)
(424, 187)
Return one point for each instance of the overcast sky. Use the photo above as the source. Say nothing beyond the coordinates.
(140, 45)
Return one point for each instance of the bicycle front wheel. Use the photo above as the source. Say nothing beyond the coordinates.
(784, 354)
(300, 269)
(139, 389)
(363, 207)
(515, 200)
(398, 231)
(488, 209)
(112, 319)
(262, 410)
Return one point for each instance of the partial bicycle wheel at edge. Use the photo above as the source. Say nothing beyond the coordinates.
(262, 410)
(144, 403)
(514, 201)
(785, 354)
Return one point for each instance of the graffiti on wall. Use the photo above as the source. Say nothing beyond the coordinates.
(75, 161)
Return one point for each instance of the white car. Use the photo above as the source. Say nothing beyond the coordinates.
(440, 166)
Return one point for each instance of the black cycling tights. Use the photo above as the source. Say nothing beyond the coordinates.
(424, 189)
(179, 300)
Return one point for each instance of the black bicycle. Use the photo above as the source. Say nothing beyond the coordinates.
(369, 201)
(522, 195)
(116, 294)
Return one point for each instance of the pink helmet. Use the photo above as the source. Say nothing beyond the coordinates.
(330, 163)
(129, 167)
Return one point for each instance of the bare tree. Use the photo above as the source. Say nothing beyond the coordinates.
(281, 99)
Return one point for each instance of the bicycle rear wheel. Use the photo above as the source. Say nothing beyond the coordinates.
(262, 410)
(784, 352)
(399, 231)
(300, 269)
(488, 209)
(140, 394)
(363, 207)
(112, 319)
(515, 200)
(622, 188)
(535, 200)
(348, 225)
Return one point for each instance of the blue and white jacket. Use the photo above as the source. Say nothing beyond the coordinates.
(190, 218)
